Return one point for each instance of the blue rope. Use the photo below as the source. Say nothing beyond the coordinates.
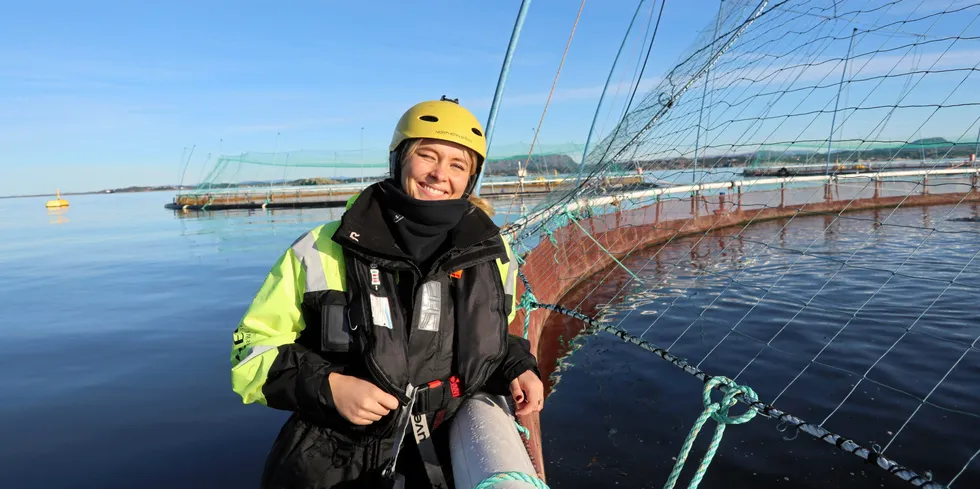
(522, 430)
(871, 456)
(719, 413)
(551, 236)
(528, 303)
(511, 476)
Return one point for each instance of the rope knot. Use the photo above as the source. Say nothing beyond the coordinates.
(528, 303)
(719, 411)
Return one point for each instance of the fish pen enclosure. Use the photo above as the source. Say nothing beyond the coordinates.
(802, 270)
(304, 179)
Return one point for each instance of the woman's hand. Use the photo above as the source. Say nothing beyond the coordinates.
(360, 401)
(528, 393)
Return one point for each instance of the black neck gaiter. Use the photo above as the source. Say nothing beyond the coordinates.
(421, 225)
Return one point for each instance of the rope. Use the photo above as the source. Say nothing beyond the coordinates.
(602, 96)
(869, 455)
(719, 413)
(522, 430)
(571, 218)
(555, 82)
(511, 476)
(528, 303)
(534, 140)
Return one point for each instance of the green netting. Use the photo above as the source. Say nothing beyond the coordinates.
(269, 171)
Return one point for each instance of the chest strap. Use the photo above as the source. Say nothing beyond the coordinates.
(438, 396)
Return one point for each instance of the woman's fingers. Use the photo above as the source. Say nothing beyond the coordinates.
(516, 392)
(531, 392)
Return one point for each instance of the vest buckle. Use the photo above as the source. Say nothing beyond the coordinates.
(435, 395)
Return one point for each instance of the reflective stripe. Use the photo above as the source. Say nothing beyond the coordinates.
(309, 256)
(510, 284)
(431, 310)
(256, 351)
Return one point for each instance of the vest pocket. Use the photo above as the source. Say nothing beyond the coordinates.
(335, 331)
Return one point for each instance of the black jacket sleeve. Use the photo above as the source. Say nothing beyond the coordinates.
(297, 381)
(269, 365)
(517, 361)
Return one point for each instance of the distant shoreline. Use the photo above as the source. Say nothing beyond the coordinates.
(125, 190)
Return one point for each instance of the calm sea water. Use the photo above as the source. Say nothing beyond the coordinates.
(118, 314)
(758, 306)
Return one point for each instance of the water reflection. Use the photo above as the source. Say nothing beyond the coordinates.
(787, 323)
(57, 215)
(226, 230)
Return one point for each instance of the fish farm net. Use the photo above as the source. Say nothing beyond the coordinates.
(809, 183)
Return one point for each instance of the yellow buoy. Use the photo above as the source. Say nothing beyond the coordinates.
(59, 202)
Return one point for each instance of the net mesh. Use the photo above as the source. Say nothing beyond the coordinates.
(259, 172)
(783, 112)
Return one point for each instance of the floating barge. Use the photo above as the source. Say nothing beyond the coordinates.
(775, 170)
(310, 196)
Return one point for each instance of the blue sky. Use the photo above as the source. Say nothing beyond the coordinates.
(107, 94)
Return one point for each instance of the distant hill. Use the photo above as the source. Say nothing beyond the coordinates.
(539, 165)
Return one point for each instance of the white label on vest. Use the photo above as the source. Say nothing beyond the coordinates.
(420, 427)
(380, 311)
(431, 309)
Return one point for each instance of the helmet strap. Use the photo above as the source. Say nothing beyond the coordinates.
(394, 164)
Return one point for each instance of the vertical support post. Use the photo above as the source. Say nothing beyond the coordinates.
(782, 194)
(707, 78)
(833, 118)
(504, 70)
(739, 198)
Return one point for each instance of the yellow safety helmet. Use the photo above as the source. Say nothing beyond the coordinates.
(442, 119)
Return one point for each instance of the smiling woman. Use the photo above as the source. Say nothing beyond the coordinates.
(437, 151)
(390, 317)
(435, 170)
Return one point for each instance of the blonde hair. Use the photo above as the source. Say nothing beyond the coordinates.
(412, 145)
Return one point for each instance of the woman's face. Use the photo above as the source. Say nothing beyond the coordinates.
(437, 170)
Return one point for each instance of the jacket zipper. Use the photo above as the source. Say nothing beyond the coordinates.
(372, 362)
(375, 369)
